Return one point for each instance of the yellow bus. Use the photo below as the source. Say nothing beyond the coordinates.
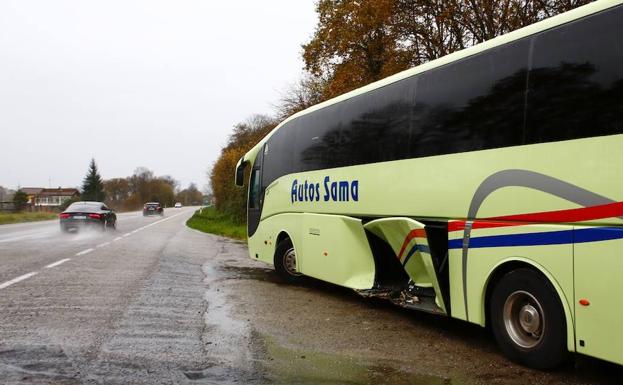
(486, 186)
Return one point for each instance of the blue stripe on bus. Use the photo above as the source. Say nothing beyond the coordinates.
(544, 238)
(417, 247)
(598, 234)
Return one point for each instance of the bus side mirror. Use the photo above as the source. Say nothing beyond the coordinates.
(240, 172)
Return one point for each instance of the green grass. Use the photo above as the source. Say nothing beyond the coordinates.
(25, 217)
(210, 220)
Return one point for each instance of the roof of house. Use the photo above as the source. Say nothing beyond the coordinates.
(59, 192)
(31, 190)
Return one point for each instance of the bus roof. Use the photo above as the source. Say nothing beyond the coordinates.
(529, 30)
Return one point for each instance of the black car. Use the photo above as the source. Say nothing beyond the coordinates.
(87, 215)
(152, 208)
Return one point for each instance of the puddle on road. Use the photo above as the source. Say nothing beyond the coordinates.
(264, 274)
(81, 234)
(40, 364)
(283, 365)
(286, 366)
(254, 273)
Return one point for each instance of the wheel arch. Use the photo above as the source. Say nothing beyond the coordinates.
(281, 235)
(513, 263)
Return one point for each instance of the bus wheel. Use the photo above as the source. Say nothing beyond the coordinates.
(285, 262)
(527, 319)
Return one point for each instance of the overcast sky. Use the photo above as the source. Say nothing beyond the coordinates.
(157, 84)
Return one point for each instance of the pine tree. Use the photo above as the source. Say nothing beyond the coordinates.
(20, 200)
(93, 186)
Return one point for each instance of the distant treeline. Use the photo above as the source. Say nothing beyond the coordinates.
(143, 186)
(357, 42)
(122, 194)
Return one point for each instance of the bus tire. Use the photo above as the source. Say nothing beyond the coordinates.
(285, 262)
(528, 320)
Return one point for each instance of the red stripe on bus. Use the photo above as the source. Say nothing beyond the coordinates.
(417, 233)
(609, 210)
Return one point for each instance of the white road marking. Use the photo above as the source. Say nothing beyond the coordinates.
(16, 238)
(51, 265)
(16, 280)
(29, 224)
(26, 276)
(162, 220)
(146, 226)
(133, 214)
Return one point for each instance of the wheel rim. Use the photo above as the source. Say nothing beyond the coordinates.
(289, 262)
(524, 319)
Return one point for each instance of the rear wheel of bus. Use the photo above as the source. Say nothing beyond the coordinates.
(286, 263)
(527, 319)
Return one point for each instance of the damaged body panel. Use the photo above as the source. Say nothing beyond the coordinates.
(408, 240)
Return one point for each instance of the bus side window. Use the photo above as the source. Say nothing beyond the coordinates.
(473, 104)
(277, 155)
(576, 80)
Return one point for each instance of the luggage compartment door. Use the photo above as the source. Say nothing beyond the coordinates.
(598, 265)
(335, 249)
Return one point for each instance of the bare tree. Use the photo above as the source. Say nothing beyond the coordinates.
(308, 91)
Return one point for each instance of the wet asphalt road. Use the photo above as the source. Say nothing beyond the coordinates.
(157, 303)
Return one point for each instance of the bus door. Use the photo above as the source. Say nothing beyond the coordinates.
(409, 241)
(256, 195)
(598, 266)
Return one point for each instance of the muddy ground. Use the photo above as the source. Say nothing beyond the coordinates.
(317, 333)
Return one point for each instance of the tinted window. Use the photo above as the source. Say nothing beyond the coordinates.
(368, 128)
(254, 189)
(474, 104)
(278, 154)
(319, 140)
(82, 207)
(380, 124)
(576, 80)
(256, 192)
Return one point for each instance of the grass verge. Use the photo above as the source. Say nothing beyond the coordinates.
(6, 218)
(210, 220)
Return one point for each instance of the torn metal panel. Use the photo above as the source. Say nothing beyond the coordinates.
(409, 241)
